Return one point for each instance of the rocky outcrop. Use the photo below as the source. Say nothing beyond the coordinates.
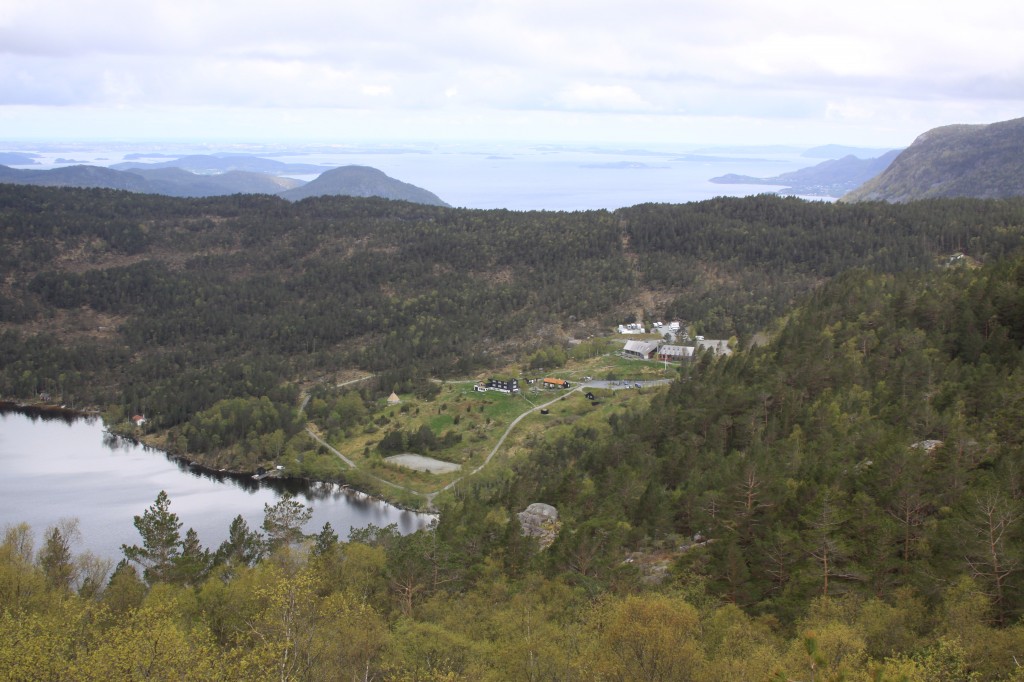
(540, 521)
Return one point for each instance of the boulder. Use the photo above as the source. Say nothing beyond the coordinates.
(540, 521)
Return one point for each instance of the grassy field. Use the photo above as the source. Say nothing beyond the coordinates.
(477, 420)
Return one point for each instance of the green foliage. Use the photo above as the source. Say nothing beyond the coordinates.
(419, 441)
(233, 297)
(283, 521)
(243, 548)
(55, 556)
(952, 161)
(252, 430)
(868, 449)
(547, 358)
(796, 244)
(398, 608)
(841, 503)
(161, 541)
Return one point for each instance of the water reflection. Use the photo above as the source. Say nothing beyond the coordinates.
(46, 414)
(58, 464)
(311, 490)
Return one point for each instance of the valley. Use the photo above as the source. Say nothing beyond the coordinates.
(828, 488)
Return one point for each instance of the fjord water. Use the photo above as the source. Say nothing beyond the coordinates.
(565, 179)
(54, 466)
(519, 177)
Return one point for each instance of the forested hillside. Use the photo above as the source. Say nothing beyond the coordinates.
(168, 305)
(222, 175)
(875, 445)
(981, 161)
(843, 503)
(165, 306)
(736, 264)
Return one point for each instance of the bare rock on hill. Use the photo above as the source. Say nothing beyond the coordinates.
(540, 521)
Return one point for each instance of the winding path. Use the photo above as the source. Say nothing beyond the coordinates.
(318, 439)
(429, 497)
(497, 446)
(378, 479)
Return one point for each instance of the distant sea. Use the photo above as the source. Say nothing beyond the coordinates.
(493, 175)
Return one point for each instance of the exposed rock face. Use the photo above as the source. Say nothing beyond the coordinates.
(540, 521)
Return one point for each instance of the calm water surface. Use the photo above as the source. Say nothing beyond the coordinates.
(515, 176)
(54, 467)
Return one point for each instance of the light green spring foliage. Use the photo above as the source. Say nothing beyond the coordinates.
(333, 615)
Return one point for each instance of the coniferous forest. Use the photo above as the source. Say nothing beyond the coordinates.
(842, 502)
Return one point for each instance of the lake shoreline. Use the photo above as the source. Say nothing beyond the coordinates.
(61, 464)
(43, 410)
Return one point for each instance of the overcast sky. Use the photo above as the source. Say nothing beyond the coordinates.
(870, 72)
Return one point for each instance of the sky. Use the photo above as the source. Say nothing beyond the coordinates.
(669, 72)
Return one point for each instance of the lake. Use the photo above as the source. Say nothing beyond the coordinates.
(56, 466)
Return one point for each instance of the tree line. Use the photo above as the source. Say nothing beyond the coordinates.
(278, 603)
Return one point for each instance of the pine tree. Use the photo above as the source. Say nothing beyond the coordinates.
(243, 547)
(161, 541)
(325, 541)
(195, 561)
(55, 557)
(283, 521)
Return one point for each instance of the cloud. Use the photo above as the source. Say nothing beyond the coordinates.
(376, 90)
(588, 97)
(741, 59)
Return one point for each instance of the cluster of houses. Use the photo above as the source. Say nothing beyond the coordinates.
(655, 350)
(501, 385)
(656, 328)
(511, 386)
(644, 350)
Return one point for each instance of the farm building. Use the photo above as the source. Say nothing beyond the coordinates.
(504, 385)
(640, 349)
(556, 383)
(669, 353)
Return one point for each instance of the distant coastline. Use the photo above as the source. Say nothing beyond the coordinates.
(496, 175)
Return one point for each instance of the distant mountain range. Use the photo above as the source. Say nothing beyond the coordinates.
(980, 161)
(217, 175)
(18, 159)
(838, 151)
(222, 163)
(832, 178)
